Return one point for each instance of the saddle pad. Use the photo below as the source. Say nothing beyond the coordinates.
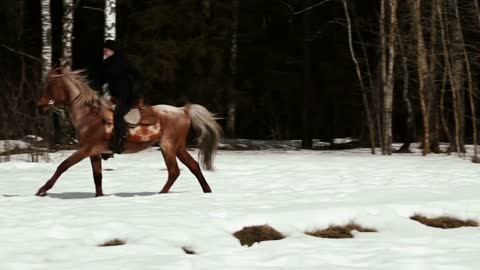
(133, 117)
(143, 116)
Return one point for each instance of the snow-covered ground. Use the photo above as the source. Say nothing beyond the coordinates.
(293, 191)
(7, 145)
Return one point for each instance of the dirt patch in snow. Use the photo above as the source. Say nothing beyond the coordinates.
(114, 242)
(255, 234)
(444, 222)
(338, 232)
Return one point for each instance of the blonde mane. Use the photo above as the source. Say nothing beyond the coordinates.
(76, 79)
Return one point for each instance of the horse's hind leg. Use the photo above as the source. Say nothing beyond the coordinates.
(172, 167)
(193, 166)
(97, 174)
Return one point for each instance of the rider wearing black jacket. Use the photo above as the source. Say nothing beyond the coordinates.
(121, 78)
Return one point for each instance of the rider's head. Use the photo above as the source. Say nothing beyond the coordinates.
(109, 48)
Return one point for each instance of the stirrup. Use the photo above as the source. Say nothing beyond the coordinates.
(106, 156)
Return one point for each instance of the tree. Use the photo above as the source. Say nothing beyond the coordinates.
(68, 9)
(366, 106)
(422, 71)
(46, 38)
(410, 123)
(307, 141)
(457, 80)
(469, 75)
(110, 19)
(231, 107)
(389, 83)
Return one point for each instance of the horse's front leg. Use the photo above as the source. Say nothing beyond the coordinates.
(69, 162)
(97, 174)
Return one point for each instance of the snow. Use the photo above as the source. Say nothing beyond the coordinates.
(246, 144)
(7, 145)
(344, 140)
(34, 138)
(292, 191)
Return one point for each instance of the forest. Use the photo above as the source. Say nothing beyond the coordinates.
(382, 71)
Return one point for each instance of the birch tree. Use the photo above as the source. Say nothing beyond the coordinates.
(231, 110)
(383, 74)
(432, 93)
(371, 128)
(68, 8)
(422, 71)
(110, 19)
(469, 75)
(457, 76)
(46, 38)
(410, 122)
(307, 141)
(389, 84)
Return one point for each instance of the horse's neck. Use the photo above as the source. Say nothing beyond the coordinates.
(72, 92)
(77, 111)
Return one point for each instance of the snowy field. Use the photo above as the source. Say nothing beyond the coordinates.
(292, 191)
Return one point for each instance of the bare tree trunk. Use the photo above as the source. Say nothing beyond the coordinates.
(374, 94)
(383, 69)
(432, 94)
(371, 129)
(232, 107)
(388, 98)
(469, 76)
(110, 19)
(67, 31)
(307, 141)
(442, 103)
(423, 76)
(456, 79)
(477, 9)
(46, 38)
(448, 67)
(410, 130)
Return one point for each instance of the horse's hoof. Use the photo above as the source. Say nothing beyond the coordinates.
(41, 194)
(99, 195)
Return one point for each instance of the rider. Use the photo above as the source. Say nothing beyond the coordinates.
(121, 78)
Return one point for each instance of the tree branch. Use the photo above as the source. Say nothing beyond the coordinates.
(21, 53)
(292, 9)
(92, 8)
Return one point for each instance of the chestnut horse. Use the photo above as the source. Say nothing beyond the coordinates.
(91, 116)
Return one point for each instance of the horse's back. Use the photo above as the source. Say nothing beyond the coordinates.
(173, 119)
(168, 109)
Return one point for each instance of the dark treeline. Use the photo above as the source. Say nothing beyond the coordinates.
(271, 69)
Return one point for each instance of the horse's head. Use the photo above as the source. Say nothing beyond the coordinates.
(54, 92)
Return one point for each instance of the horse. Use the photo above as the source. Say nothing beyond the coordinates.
(92, 118)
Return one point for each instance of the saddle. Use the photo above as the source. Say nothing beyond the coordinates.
(139, 115)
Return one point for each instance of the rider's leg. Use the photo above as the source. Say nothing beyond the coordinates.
(120, 127)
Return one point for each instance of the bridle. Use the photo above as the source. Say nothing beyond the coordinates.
(51, 102)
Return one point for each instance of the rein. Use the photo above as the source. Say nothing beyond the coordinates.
(51, 103)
